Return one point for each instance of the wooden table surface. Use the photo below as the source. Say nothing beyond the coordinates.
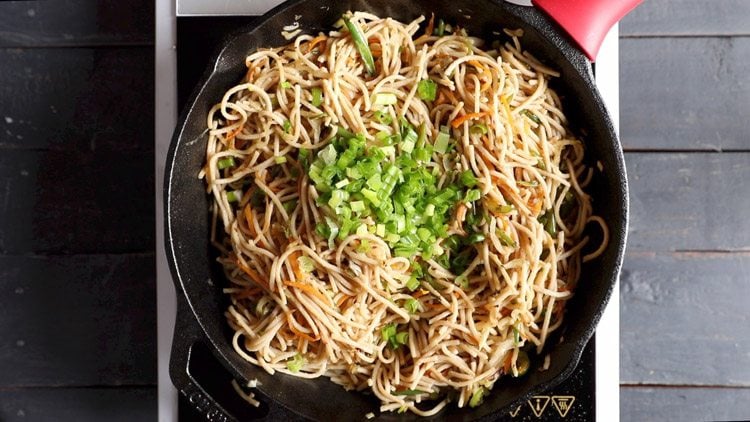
(77, 285)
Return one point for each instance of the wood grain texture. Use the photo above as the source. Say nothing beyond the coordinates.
(76, 170)
(644, 404)
(78, 404)
(685, 93)
(77, 99)
(76, 23)
(685, 319)
(77, 320)
(76, 201)
(687, 18)
(691, 201)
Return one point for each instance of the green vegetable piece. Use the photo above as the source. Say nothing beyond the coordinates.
(317, 96)
(427, 90)
(296, 363)
(442, 142)
(475, 238)
(225, 163)
(413, 283)
(286, 85)
(531, 116)
(287, 126)
(360, 42)
(440, 30)
(409, 392)
(385, 98)
(468, 179)
(306, 264)
(477, 397)
(505, 240)
(412, 305)
(234, 196)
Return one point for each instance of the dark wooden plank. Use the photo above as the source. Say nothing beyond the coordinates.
(77, 320)
(688, 201)
(684, 319)
(684, 404)
(79, 98)
(76, 23)
(76, 201)
(685, 93)
(688, 17)
(79, 404)
(76, 175)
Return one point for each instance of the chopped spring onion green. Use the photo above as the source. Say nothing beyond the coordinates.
(286, 85)
(412, 305)
(477, 397)
(394, 338)
(475, 238)
(440, 30)
(287, 126)
(289, 206)
(472, 195)
(364, 246)
(296, 363)
(413, 283)
(383, 117)
(234, 196)
(388, 331)
(409, 141)
(442, 142)
(360, 42)
(516, 336)
(328, 154)
(427, 89)
(358, 206)
(528, 184)
(280, 159)
(478, 129)
(401, 338)
(548, 220)
(468, 179)
(409, 392)
(306, 264)
(534, 118)
(317, 96)
(385, 98)
(225, 163)
(505, 240)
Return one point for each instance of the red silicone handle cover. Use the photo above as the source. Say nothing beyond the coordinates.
(587, 21)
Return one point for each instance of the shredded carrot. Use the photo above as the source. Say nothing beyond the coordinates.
(300, 333)
(294, 261)
(253, 275)
(420, 293)
(315, 41)
(341, 300)
(430, 26)
(247, 293)
(458, 121)
(508, 362)
(308, 288)
(249, 217)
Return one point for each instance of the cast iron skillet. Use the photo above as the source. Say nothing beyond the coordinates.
(198, 278)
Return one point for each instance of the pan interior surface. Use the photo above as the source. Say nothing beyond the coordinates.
(188, 220)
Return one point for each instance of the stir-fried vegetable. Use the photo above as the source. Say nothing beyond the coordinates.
(362, 46)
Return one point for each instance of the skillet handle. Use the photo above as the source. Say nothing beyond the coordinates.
(187, 334)
(587, 21)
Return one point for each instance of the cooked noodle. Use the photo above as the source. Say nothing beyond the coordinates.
(328, 317)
